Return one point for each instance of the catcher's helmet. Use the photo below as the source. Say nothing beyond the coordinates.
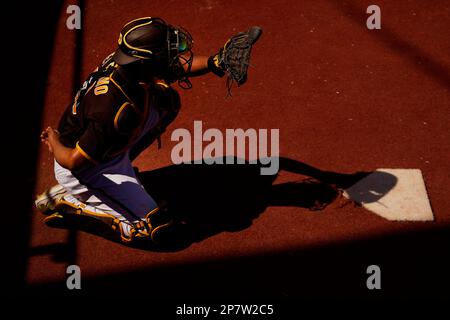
(151, 38)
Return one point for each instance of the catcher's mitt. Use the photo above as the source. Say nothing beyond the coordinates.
(234, 57)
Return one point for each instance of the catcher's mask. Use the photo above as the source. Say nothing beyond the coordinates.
(154, 40)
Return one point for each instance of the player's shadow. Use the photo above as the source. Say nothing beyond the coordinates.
(211, 199)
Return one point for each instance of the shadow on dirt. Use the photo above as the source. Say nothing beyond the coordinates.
(210, 199)
(206, 200)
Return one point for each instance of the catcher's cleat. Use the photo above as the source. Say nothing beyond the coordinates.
(48, 200)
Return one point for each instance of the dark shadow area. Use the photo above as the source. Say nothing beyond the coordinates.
(416, 56)
(413, 265)
(71, 253)
(60, 252)
(372, 188)
(33, 39)
(209, 199)
(31, 35)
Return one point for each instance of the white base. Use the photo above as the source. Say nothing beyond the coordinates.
(394, 194)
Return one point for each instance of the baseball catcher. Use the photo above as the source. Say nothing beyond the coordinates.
(122, 108)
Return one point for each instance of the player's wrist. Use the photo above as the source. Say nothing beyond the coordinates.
(214, 65)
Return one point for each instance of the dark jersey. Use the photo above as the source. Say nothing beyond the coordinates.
(106, 115)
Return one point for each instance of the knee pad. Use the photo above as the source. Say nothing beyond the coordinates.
(155, 227)
(160, 221)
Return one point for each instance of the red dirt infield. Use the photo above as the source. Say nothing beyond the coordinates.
(345, 99)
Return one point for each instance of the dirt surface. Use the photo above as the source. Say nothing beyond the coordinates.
(345, 99)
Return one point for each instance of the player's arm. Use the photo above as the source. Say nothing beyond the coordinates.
(68, 158)
(199, 66)
(233, 58)
(202, 65)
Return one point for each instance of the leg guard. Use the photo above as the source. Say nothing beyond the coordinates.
(154, 227)
(68, 215)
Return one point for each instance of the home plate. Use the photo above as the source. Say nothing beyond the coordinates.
(394, 194)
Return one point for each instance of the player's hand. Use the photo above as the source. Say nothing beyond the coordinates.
(49, 136)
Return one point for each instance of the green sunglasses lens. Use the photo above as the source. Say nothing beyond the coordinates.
(182, 46)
